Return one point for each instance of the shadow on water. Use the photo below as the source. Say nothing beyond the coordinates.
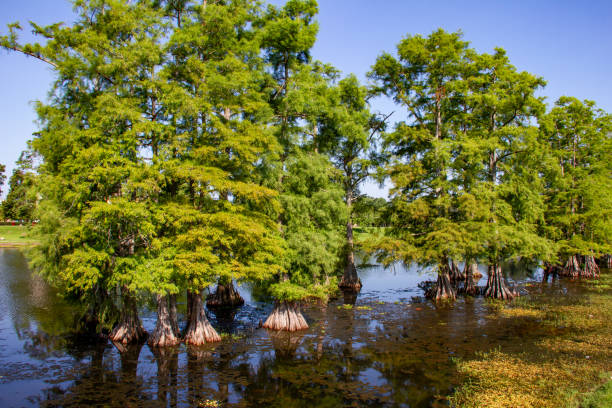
(377, 348)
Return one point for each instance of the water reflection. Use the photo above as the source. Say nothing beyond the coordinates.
(377, 348)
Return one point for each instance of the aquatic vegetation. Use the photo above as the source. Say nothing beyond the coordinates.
(562, 355)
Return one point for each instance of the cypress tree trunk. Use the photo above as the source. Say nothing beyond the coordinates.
(226, 296)
(496, 286)
(572, 267)
(470, 288)
(443, 288)
(455, 273)
(591, 270)
(199, 331)
(129, 328)
(173, 314)
(165, 333)
(350, 280)
(286, 316)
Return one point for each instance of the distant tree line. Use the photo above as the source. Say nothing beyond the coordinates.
(188, 144)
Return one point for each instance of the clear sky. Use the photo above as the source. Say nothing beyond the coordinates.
(568, 43)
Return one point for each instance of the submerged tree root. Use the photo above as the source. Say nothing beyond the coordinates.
(166, 328)
(226, 296)
(496, 286)
(286, 316)
(199, 331)
(129, 328)
(591, 270)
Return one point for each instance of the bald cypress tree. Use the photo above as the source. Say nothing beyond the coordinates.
(346, 133)
(425, 79)
(504, 143)
(313, 212)
(97, 201)
(149, 152)
(578, 202)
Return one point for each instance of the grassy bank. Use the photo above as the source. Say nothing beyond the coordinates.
(564, 358)
(16, 235)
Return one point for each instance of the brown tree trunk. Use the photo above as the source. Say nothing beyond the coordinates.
(165, 333)
(129, 328)
(572, 267)
(455, 273)
(226, 296)
(286, 316)
(470, 288)
(350, 280)
(443, 288)
(173, 314)
(496, 286)
(591, 270)
(199, 331)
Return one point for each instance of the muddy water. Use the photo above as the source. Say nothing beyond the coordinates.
(389, 349)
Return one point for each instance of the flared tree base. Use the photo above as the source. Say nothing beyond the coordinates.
(129, 330)
(286, 316)
(442, 290)
(470, 289)
(571, 269)
(199, 331)
(591, 270)
(165, 333)
(226, 296)
(350, 280)
(496, 286)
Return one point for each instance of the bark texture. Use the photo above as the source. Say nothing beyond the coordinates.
(199, 331)
(470, 287)
(129, 328)
(591, 270)
(455, 273)
(225, 296)
(496, 286)
(350, 280)
(572, 267)
(442, 289)
(286, 316)
(166, 330)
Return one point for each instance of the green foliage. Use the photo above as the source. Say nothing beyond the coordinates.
(578, 199)
(370, 212)
(2, 176)
(313, 219)
(464, 167)
(21, 199)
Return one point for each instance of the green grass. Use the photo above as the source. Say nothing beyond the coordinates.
(367, 233)
(16, 235)
(600, 398)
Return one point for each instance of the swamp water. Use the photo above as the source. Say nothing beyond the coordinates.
(386, 350)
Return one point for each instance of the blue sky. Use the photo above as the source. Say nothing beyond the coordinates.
(566, 42)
